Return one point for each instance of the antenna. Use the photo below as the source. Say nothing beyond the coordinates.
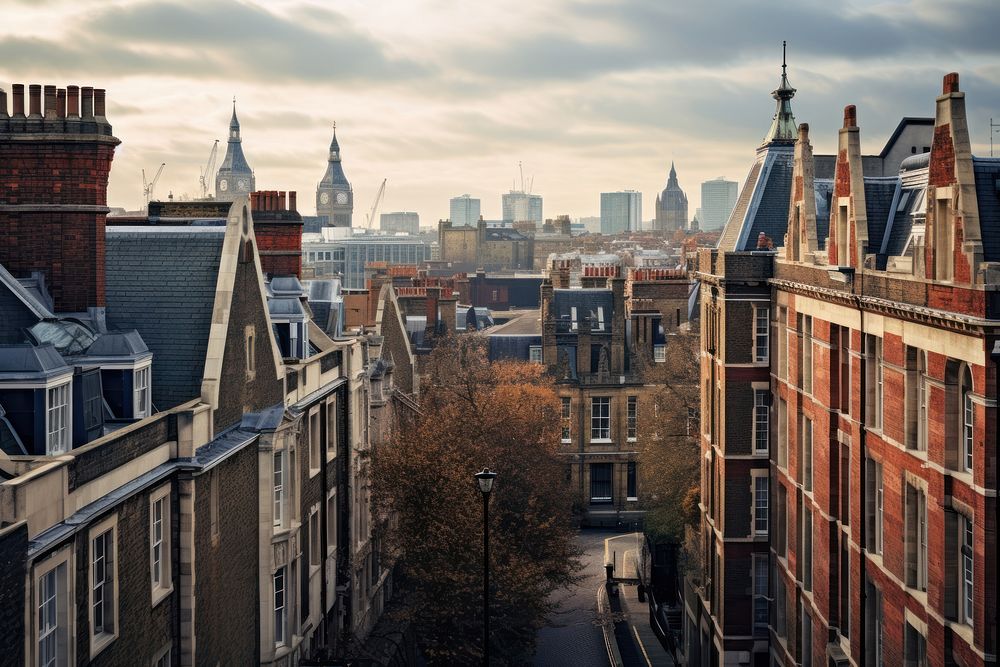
(784, 46)
(521, 170)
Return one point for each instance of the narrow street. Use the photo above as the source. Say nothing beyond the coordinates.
(573, 636)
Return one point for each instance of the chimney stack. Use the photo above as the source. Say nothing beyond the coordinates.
(281, 201)
(99, 103)
(850, 116)
(50, 102)
(61, 102)
(291, 201)
(35, 100)
(88, 103)
(18, 93)
(3, 103)
(72, 101)
(950, 83)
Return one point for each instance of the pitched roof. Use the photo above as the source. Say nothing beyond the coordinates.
(161, 281)
(987, 173)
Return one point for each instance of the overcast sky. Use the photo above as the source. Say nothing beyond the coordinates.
(444, 97)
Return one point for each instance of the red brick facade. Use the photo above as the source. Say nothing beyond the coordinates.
(278, 230)
(54, 167)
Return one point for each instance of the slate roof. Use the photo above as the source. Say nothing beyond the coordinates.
(586, 302)
(770, 214)
(731, 232)
(512, 346)
(31, 362)
(987, 172)
(504, 234)
(161, 281)
(235, 162)
(879, 195)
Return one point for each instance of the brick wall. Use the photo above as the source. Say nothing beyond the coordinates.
(13, 554)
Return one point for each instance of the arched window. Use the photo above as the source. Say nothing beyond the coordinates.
(968, 419)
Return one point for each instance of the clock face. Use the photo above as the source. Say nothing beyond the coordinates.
(324, 198)
(341, 197)
(241, 185)
(223, 185)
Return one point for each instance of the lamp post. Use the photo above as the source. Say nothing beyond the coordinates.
(485, 480)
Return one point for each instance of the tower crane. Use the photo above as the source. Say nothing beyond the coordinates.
(378, 200)
(206, 174)
(147, 186)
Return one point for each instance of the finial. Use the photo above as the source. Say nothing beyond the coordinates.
(784, 46)
(335, 128)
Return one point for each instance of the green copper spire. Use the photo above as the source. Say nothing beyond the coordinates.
(783, 125)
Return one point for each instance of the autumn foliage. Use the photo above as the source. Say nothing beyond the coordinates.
(503, 416)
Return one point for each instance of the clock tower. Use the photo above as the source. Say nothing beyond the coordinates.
(235, 177)
(334, 196)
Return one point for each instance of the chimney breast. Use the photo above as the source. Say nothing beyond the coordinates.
(950, 83)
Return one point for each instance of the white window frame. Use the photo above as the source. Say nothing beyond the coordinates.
(60, 566)
(807, 455)
(611, 484)
(161, 583)
(599, 432)
(280, 605)
(535, 354)
(760, 487)
(761, 601)
(59, 419)
(659, 353)
(331, 428)
(106, 588)
(968, 428)
(632, 418)
(761, 334)
(315, 428)
(566, 404)
(967, 572)
(331, 522)
(761, 420)
(315, 541)
(141, 390)
(279, 479)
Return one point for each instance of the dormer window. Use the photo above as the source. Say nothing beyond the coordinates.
(58, 414)
(141, 394)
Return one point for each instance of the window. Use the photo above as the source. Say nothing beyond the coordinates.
(159, 544)
(781, 337)
(968, 578)
(807, 649)
(761, 401)
(807, 354)
(279, 488)
(659, 353)
(331, 428)
(249, 336)
(633, 417)
(535, 354)
(916, 537)
(873, 505)
(315, 441)
(873, 381)
(331, 522)
(807, 546)
(873, 629)
(781, 521)
(57, 417)
(280, 616)
(760, 485)
(914, 647)
(761, 343)
(631, 479)
(566, 413)
(600, 483)
(782, 434)
(163, 659)
(916, 400)
(141, 380)
(600, 418)
(53, 616)
(103, 586)
(315, 557)
(807, 455)
(761, 603)
(780, 607)
(968, 419)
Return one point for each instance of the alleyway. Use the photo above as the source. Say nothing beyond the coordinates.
(573, 637)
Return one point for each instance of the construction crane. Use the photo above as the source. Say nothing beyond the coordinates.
(209, 170)
(147, 186)
(378, 200)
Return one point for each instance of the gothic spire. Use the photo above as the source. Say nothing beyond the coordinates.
(783, 124)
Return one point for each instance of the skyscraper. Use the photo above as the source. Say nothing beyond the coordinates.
(235, 177)
(621, 212)
(464, 210)
(334, 195)
(671, 206)
(521, 206)
(718, 197)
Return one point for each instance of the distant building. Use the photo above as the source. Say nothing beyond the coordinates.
(235, 177)
(471, 247)
(334, 195)
(718, 198)
(671, 206)
(464, 210)
(520, 206)
(325, 257)
(400, 221)
(621, 212)
(591, 223)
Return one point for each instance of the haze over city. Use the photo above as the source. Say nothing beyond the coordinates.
(442, 98)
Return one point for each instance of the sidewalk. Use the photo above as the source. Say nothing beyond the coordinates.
(637, 616)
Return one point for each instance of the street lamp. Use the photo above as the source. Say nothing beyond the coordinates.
(485, 480)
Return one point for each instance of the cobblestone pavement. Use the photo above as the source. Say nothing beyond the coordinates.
(572, 637)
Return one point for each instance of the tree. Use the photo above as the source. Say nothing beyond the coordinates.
(668, 448)
(504, 416)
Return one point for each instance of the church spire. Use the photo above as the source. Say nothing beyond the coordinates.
(783, 125)
(672, 178)
(234, 125)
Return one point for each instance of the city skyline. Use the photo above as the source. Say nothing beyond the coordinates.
(493, 86)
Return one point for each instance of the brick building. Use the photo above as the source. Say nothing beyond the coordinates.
(868, 495)
(183, 452)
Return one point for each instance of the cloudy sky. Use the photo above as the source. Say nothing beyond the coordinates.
(444, 97)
